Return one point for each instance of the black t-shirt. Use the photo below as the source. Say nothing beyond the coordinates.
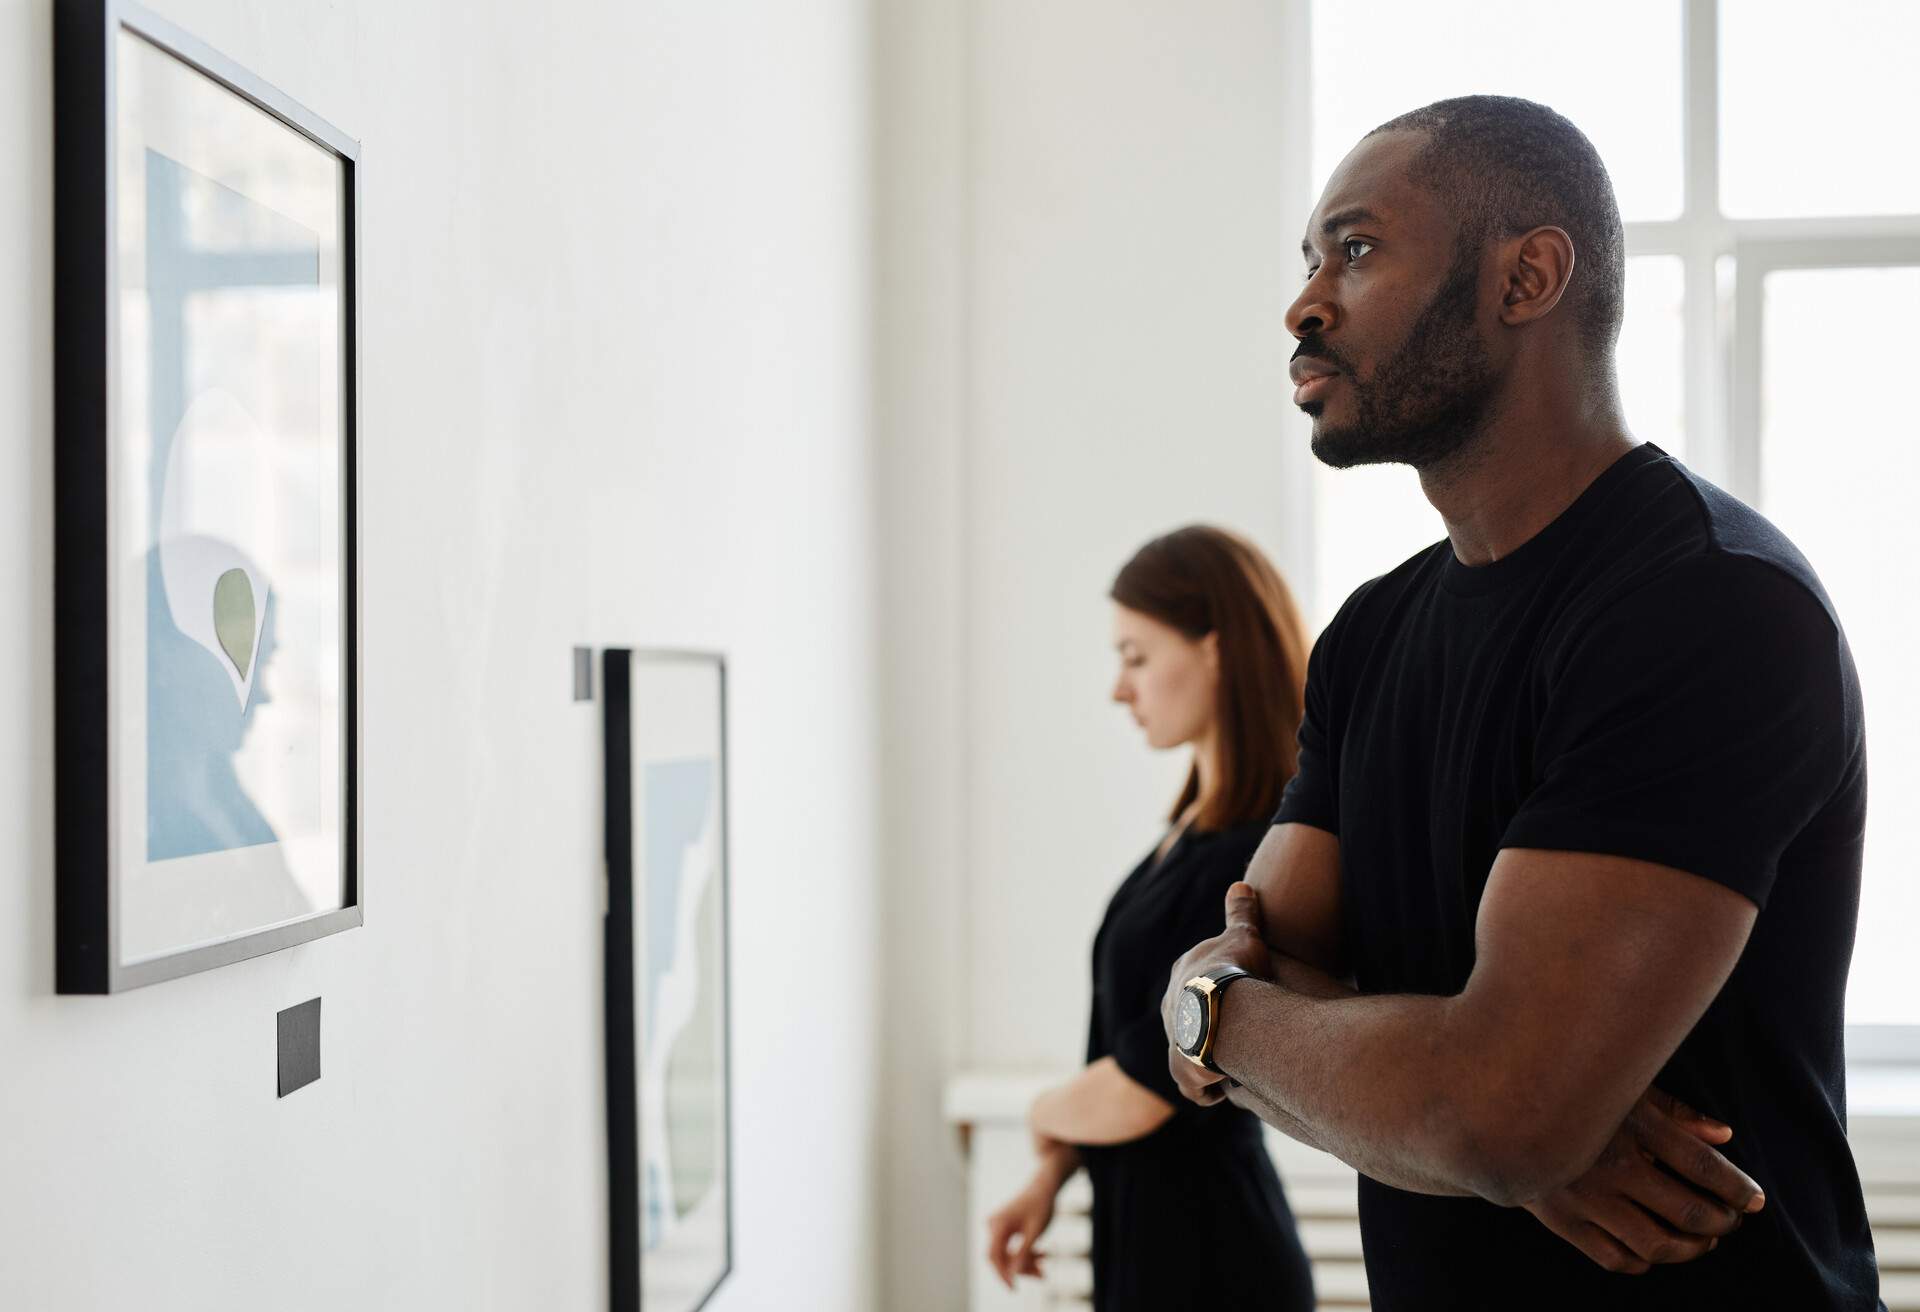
(1192, 1215)
(1658, 674)
(1165, 906)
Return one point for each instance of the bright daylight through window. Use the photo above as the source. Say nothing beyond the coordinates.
(1758, 237)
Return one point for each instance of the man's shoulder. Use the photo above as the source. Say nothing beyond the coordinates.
(1743, 543)
(1739, 625)
(1367, 605)
(1683, 549)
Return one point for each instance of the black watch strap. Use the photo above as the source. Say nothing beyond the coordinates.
(1221, 977)
(1225, 976)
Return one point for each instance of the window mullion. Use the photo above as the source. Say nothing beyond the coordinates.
(1700, 89)
(1711, 442)
(1744, 477)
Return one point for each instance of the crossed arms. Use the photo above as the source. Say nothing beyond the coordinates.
(1589, 971)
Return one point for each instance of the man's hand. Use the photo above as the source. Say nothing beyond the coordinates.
(1239, 944)
(1627, 1214)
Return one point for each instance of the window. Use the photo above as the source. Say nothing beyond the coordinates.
(1760, 237)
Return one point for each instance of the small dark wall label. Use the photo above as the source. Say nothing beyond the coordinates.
(299, 1046)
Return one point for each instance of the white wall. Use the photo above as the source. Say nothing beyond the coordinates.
(616, 388)
(921, 98)
(1090, 222)
(1135, 249)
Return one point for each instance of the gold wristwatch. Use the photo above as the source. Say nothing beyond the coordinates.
(1196, 1016)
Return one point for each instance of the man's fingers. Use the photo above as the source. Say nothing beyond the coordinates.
(1700, 1163)
(1649, 1239)
(1243, 907)
(1602, 1248)
(1696, 1123)
(1681, 1206)
(1708, 1130)
(1198, 1084)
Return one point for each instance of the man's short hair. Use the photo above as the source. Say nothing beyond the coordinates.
(1506, 165)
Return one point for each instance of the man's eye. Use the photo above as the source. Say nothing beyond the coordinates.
(1308, 277)
(1352, 242)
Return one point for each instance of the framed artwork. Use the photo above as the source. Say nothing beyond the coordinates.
(669, 1127)
(206, 660)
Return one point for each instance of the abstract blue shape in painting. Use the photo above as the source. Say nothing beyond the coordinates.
(679, 796)
(202, 238)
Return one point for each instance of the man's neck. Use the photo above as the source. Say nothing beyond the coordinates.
(1519, 476)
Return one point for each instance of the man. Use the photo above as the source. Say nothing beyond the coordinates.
(1581, 791)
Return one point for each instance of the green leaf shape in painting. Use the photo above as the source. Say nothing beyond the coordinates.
(233, 617)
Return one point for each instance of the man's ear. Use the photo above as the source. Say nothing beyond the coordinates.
(1539, 266)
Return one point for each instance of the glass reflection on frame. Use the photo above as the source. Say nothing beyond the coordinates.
(216, 498)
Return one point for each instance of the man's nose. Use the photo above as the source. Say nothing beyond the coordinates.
(1311, 312)
(1311, 317)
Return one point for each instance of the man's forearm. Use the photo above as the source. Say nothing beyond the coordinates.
(1241, 1096)
(1372, 1080)
(1305, 979)
(1311, 982)
(1299, 1131)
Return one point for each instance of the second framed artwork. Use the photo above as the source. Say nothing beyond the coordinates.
(669, 1126)
(206, 672)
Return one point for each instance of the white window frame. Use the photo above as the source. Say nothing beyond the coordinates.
(1721, 333)
(1721, 330)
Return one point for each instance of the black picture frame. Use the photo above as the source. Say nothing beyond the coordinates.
(628, 1194)
(87, 40)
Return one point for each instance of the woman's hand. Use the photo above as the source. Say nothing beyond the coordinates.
(1023, 1220)
(1014, 1229)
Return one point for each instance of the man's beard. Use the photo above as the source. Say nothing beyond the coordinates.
(1429, 401)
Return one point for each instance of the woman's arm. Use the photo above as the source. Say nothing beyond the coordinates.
(1100, 1105)
(1298, 870)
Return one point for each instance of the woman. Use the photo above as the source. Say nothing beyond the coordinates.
(1187, 1209)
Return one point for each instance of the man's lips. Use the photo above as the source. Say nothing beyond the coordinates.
(1310, 378)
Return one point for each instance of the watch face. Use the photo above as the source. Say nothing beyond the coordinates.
(1189, 1014)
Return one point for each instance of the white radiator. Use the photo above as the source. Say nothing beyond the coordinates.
(991, 1112)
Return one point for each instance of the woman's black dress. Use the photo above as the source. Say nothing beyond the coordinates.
(1191, 1216)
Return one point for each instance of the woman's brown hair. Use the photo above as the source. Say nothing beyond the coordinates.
(1202, 580)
